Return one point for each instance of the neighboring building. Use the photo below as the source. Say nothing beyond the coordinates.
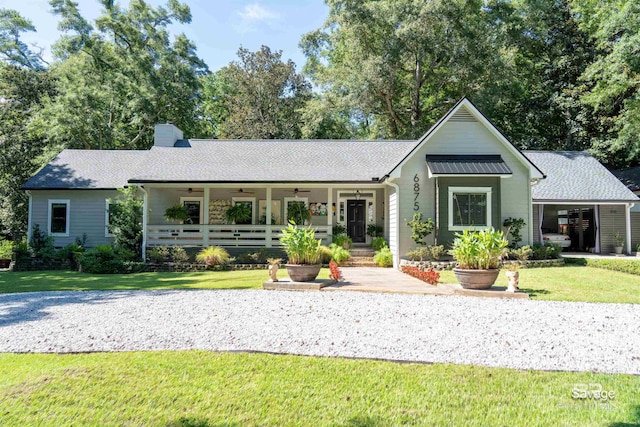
(463, 173)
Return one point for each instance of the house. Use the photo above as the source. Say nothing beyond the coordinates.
(463, 173)
(631, 178)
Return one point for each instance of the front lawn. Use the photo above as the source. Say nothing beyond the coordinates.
(197, 388)
(572, 283)
(72, 281)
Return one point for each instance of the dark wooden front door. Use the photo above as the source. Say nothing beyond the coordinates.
(356, 220)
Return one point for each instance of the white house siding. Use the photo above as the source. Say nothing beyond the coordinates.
(461, 138)
(87, 213)
(393, 223)
(612, 221)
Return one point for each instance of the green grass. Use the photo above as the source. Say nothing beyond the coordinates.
(73, 281)
(572, 283)
(197, 388)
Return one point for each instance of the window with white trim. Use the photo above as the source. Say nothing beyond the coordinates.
(58, 218)
(469, 207)
(294, 204)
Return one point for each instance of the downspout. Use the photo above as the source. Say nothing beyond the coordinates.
(145, 209)
(28, 193)
(396, 256)
(627, 217)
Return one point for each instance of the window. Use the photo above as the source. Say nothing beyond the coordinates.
(250, 202)
(194, 208)
(293, 206)
(108, 216)
(469, 207)
(59, 217)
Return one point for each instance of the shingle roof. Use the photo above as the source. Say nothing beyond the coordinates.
(272, 161)
(87, 169)
(629, 177)
(576, 176)
(467, 165)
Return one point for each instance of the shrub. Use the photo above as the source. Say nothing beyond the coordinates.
(374, 230)
(343, 240)
(213, 255)
(430, 276)
(179, 255)
(338, 253)
(39, 240)
(21, 251)
(546, 251)
(523, 253)
(435, 252)
(6, 249)
(378, 243)
(102, 259)
(73, 253)
(383, 257)
(420, 229)
(159, 254)
(334, 271)
(514, 225)
(479, 250)
(259, 257)
(338, 230)
(326, 254)
(418, 254)
(300, 244)
(622, 265)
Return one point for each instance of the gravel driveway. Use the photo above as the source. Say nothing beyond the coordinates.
(492, 332)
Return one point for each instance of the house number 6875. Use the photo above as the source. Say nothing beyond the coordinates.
(416, 192)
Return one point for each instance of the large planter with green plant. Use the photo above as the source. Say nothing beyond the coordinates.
(303, 253)
(478, 254)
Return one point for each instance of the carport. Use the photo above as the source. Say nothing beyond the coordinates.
(581, 198)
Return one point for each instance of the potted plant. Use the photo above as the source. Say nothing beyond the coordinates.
(303, 252)
(619, 245)
(478, 254)
(177, 213)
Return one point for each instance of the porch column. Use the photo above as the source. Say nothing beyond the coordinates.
(330, 208)
(268, 218)
(145, 221)
(627, 218)
(205, 214)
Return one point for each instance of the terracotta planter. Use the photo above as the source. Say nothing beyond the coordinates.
(476, 279)
(303, 272)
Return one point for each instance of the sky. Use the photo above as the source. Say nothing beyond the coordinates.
(218, 28)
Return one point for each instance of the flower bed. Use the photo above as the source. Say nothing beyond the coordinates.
(430, 276)
(450, 265)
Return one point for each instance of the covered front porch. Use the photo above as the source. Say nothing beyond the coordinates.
(352, 206)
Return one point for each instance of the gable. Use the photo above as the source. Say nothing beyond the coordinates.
(465, 131)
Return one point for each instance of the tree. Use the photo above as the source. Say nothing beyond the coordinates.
(122, 75)
(613, 78)
(13, 50)
(258, 96)
(125, 222)
(400, 63)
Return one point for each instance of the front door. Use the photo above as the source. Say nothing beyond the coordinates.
(356, 220)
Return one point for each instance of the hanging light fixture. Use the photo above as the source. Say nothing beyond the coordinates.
(357, 194)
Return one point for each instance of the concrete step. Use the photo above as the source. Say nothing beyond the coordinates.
(361, 252)
(358, 264)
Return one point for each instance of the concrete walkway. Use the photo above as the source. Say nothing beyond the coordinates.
(389, 280)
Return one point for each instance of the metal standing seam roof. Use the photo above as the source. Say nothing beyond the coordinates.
(271, 161)
(576, 176)
(467, 165)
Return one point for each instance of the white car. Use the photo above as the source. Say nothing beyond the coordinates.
(560, 239)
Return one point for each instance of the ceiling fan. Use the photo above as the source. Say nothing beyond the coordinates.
(191, 190)
(241, 191)
(296, 191)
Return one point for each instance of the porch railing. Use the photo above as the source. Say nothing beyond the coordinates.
(223, 235)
